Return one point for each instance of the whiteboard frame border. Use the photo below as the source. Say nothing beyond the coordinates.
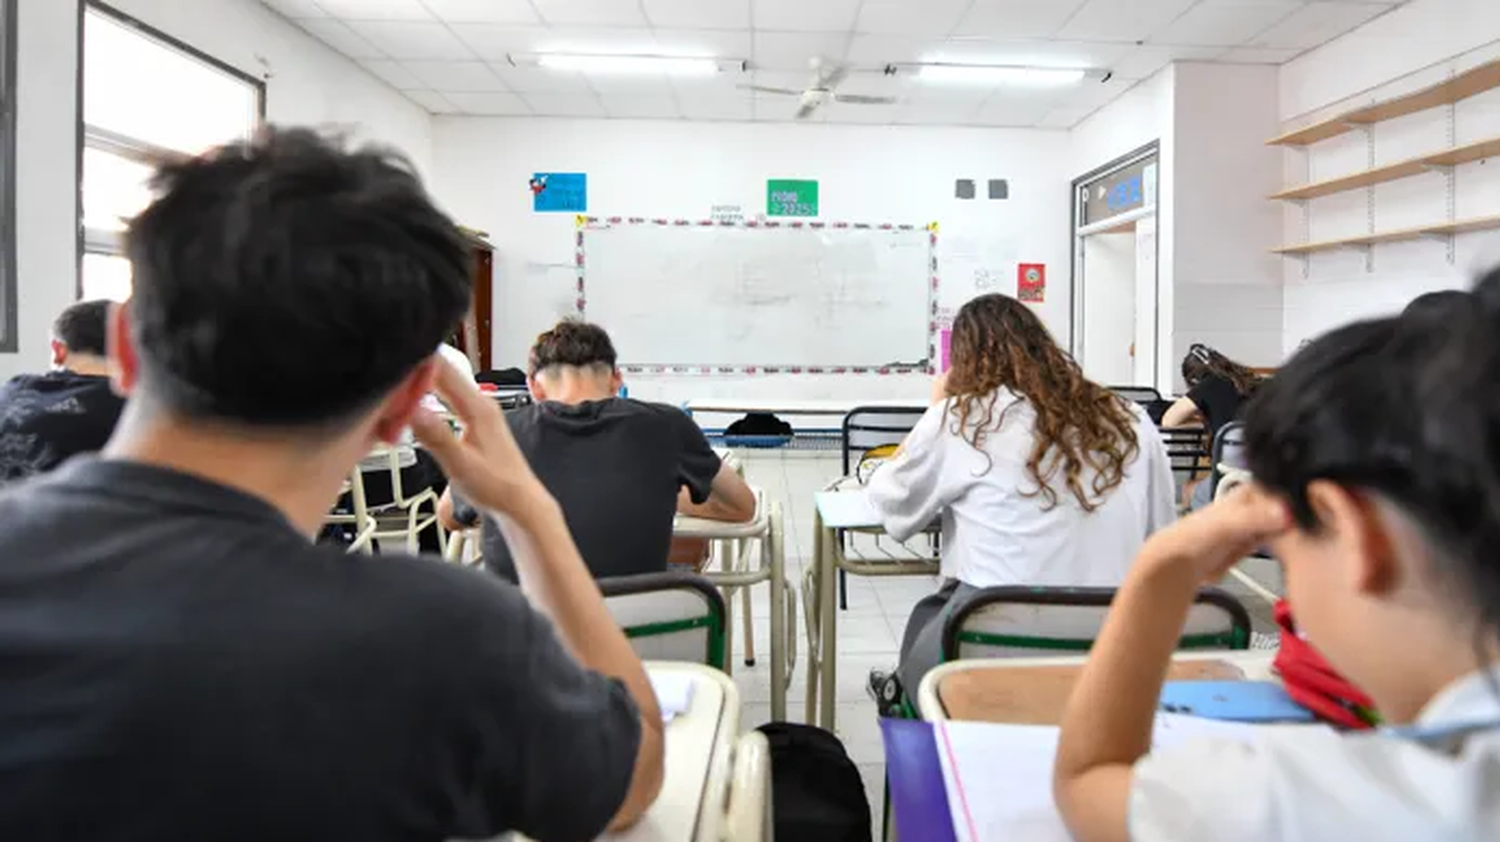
(585, 223)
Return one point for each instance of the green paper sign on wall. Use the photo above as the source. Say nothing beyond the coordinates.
(789, 197)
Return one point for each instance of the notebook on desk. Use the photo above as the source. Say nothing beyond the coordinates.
(997, 779)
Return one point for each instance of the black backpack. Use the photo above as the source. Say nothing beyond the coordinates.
(817, 794)
(759, 424)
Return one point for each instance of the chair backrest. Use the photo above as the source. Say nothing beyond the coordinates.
(1012, 622)
(669, 616)
(868, 427)
(1228, 449)
(1143, 395)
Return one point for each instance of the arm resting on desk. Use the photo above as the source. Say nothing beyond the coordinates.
(1182, 413)
(729, 499)
(1106, 726)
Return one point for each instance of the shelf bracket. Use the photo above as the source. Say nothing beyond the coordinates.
(1441, 169)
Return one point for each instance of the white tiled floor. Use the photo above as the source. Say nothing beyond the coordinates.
(869, 631)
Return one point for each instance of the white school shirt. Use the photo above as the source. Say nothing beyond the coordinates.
(1313, 784)
(993, 532)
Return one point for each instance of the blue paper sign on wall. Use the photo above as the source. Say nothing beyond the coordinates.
(560, 192)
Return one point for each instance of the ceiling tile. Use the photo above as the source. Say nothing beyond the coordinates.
(775, 107)
(793, 79)
(719, 43)
(1091, 95)
(375, 9)
(593, 39)
(1122, 20)
(1224, 23)
(945, 114)
(1141, 62)
(395, 74)
(590, 12)
(466, 76)
(297, 8)
(903, 17)
(518, 12)
(805, 15)
(1063, 118)
(698, 14)
(1082, 54)
(564, 105)
(716, 107)
(880, 50)
(1012, 115)
(793, 50)
(1016, 18)
(528, 80)
(872, 83)
(1317, 23)
(488, 104)
(642, 107)
(411, 40)
(632, 84)
(494, 41)
(434, 102)
(340, 37)
(707, 87)
(1257, 55)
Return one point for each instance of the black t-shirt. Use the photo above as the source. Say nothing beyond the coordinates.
(615, 467)
(1218, 401)
(46, 419)
(177, 662)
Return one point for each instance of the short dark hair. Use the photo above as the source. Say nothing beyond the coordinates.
(82, 327)
(573, 343)
(285, 281)
(1437, 302)
(1407, 408)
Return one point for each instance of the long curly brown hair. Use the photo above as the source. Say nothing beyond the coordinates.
(1080, 426)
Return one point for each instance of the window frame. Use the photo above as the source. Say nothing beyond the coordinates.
(123, 145)
(10, 324)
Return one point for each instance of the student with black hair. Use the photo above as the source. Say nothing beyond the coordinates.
(1376, 456)
(621, 469)
(46, 419)
(178, 660)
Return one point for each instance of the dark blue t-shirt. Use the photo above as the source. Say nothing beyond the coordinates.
(46, 419)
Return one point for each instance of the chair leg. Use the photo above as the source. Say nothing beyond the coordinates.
(843, 590)
(749, 627)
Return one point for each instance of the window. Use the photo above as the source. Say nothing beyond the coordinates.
(144, 96)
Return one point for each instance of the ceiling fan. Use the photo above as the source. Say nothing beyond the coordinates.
(822, 90)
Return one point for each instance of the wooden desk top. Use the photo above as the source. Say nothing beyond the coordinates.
(1036, 695)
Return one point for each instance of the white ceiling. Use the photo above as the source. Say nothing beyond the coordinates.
(449, 56)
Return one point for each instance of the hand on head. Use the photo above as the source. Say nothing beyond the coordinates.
(484, 462)
(1211, 541)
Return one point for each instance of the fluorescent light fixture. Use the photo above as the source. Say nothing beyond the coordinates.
(994, 74)
(627, 64)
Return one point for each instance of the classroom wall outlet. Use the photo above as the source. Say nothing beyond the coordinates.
(963, 188)
(999, 188)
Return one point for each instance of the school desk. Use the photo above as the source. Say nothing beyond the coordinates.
(712, 773)
(1016, 691)
(739, 571)
(1033, 691)
(834, 511)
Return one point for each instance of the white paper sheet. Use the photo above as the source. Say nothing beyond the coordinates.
(674, 693)
(999, 777)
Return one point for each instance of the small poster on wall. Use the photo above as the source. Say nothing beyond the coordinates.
(1031, 282)
(790, 197)
(559, 192)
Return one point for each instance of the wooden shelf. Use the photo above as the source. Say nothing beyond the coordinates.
(1477, 151)
(1463, 226)
(1469, 83)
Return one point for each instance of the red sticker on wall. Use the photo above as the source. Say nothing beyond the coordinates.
(1031, 282)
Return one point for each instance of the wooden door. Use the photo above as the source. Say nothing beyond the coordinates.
(474, 335)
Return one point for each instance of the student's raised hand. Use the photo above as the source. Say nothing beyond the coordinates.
(1209, 542)
(484, 462)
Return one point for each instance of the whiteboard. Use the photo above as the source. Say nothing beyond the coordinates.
(736, 297)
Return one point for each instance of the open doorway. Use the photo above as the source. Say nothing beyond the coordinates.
(1114, 271)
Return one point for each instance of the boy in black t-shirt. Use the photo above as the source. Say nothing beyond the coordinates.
(619, 468)
(46, 419)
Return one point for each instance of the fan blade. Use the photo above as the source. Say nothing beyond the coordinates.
(835, 77)
(763, 89)
(806, 111)
(862, 99)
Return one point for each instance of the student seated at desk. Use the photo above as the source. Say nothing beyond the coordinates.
(1377, 486)
(46, 419)
(620, 468)
(178, 659)
(1040, 476)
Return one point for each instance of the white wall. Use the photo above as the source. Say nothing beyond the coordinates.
(1415, 46)
(1142, 115)
(1226, 285)
(673, 169)
(307, 83)
(46, 175)
(310, 84)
